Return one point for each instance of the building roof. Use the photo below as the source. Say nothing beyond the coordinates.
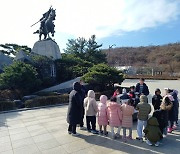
(22, 56)
(4, 60)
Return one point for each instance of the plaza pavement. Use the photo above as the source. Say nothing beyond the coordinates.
(45, 131)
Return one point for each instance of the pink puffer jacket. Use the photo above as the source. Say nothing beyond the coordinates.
(114, 114)
(127, 112)
(102, 111)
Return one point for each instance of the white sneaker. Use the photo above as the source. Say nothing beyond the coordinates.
(75, 134)
(157, 144)
(148, 142)
(164, 135)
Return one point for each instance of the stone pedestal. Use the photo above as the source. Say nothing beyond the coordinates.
(47, 48)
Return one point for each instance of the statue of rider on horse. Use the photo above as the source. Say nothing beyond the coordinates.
(47, 24)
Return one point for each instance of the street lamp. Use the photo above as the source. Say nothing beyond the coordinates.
(110, 47)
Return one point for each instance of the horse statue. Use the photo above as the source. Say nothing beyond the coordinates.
(47, 24)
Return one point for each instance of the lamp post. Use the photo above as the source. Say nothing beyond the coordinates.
(110, 47)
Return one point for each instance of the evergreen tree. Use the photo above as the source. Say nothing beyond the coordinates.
(88, 50)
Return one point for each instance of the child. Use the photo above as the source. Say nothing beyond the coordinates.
(162, 114)
(114, 116)
(90, 111)
(132, 92)
(144, 109)
(124, 97)
(165, 107)
(172, 112)
(117, 92)
(102, 114)
(156, 100)
(152, 132)
(127, 111)
(174, 93)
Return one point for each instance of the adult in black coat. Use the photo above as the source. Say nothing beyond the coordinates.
(142, 88)
(74, 114)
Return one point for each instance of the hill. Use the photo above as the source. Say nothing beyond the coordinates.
(165, 58)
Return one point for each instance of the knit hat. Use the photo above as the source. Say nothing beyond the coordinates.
(143, 98)
(157, 90)
(103, 99)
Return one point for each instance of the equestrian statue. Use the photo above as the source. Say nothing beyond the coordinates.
(46, 24)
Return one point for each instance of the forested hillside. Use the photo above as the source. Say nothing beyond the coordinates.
(165, 57)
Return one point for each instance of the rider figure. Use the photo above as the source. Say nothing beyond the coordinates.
(44, 18)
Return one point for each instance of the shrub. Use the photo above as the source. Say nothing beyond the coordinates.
(108, 93)
(47, 100)
(10, 94)
(47, 94)
(102, 77)
(7, 105)
(19, 76)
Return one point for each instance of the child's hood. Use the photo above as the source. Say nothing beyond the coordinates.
(103, 99)
(143, 99)
(91, 94)
(153, 121)
(113, 105)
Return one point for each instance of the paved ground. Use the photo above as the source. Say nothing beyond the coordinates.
(45, 131)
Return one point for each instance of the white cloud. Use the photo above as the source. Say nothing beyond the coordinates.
(83, 17)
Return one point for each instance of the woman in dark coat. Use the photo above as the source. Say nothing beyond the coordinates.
(74, 114)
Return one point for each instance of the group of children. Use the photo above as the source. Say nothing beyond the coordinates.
(108, 113)
(118, 114)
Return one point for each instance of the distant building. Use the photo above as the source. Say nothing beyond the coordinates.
(130, 70)
(4, 61)
(22, 56)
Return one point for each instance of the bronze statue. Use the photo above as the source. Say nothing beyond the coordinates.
(47, 24)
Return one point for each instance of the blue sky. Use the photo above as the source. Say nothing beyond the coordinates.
(163, 34)
(120, 22)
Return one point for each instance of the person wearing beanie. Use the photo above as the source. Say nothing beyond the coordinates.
(144, 110)
(102, 114)
(157, 99)
(124, 97)
(91, 111)
(74, 113)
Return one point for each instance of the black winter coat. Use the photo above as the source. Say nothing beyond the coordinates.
(156, 101)
(173, 113)
(75, 110)
(145, 89)
(162, 118)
